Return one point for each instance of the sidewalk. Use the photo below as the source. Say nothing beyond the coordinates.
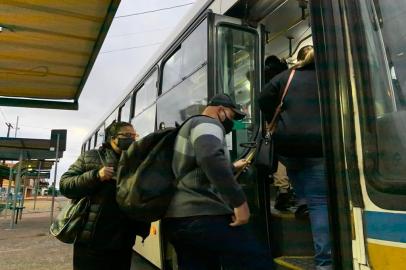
(29, 245)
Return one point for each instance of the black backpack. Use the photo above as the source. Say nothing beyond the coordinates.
(145, 180)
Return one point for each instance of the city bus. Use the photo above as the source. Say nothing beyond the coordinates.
(360, 55)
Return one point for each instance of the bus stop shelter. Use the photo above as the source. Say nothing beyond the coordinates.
(31, 152)
(48, 48)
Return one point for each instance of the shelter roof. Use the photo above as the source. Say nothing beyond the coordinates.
(48, 48)
(11, 148)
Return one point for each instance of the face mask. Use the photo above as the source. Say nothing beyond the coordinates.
(227, 124)
(124, 143)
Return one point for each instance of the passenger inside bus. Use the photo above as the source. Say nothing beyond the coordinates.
(299, 144)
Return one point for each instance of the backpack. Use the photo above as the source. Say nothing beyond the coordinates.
(145, 179)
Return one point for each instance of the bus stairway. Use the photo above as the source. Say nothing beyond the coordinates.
(292, 244)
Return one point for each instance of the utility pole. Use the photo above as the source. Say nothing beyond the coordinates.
(9, 126)
(15, 134)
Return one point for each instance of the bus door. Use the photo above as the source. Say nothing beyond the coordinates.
(379, 97)
(235, 69)
(363, 90)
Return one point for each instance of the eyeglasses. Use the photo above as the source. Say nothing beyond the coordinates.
(129, 135)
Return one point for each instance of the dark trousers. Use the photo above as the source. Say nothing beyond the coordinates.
(86, 258)
(209, 242)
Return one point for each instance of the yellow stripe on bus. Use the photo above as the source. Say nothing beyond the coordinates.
(386, 257)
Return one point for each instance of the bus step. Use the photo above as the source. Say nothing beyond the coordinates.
(295, 263)
(291, 236)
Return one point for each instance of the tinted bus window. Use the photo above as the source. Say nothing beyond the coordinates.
(187, 96)
(147, 94)
(186, 99)
(189, 57)
(385, 123)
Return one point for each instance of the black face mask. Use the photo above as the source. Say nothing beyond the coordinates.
(227, 124)
(124, 143)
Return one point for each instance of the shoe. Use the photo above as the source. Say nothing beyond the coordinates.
(302, 212)
(283, 201)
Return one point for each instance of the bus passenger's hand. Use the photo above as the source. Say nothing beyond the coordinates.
(106, 173)
(241, 164)
(241, 215)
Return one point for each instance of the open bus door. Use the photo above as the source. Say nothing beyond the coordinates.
(235, 67)
(360, 45)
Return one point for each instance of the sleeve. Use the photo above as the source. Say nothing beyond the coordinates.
(207, 140)
(269, 98)
(76, 182)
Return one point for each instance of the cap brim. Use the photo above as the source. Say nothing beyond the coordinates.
(238, 114)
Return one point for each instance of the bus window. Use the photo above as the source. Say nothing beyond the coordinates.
(145, 123)
(188, 96)
(125, 111)
(111, 118)
(235, 66)
(94, 140)
(100, 136)
(188, 58)
(384, 97)
(91, 142)
(147, 94)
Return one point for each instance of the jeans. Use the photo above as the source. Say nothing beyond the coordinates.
(209, 242)
(309, 176)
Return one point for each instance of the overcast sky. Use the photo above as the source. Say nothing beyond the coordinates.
(116, 66)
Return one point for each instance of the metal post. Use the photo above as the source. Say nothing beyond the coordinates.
(16, 190)
(8, 190)
(24, 192)
(36, 183)
(54, 182)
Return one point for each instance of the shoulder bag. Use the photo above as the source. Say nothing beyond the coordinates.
(265, 156)
(70, 221)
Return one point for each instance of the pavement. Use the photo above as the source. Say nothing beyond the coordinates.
(30, 246)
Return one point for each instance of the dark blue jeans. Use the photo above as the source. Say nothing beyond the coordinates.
(209, 242)
(308, 175)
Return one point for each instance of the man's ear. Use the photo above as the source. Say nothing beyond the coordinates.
(221, 115)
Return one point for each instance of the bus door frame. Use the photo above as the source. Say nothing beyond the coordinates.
(215, 20)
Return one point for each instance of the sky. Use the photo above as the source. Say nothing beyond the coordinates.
(131, 41)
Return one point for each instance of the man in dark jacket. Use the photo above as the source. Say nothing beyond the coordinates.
(108, 236)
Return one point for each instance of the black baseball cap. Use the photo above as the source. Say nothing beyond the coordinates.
(226, 101)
